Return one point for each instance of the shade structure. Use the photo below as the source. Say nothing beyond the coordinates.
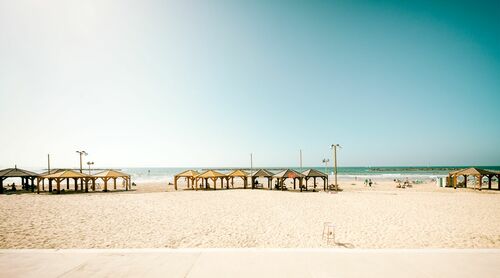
(477, 173)
(238, 174)
(263, 173)
(210, 175)
(25, 175)
(314, 174)
(190, 175)
(289, 174)
(107, 175)
(62, 175)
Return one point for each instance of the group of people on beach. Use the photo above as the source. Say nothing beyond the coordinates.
(368, 182)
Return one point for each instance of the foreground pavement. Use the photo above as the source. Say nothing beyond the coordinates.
(250, 263)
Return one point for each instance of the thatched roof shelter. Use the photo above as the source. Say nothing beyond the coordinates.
(190, 175)
(212, 175)
(25, 175)
(314, 174)
(263, 173)
(106, 175)
(289, 174)
(476, 173)
(16, 173)
(62, 175)
(238, 174)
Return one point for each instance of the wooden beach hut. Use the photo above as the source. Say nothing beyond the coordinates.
(190, 176)
(238, 174)
(113, 175)
(263, 173)
(27, 177)
(289, 174)
(477, 173)
(62, 175)
(212, 175)
(315, 174)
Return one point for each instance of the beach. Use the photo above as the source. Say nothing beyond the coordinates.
(153, 215)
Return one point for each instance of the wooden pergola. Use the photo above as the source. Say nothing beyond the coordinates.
(190, 176)
(314, 174)
(289, 174)
(263, 173)
(210, 174)
(479, 174)
(26, 176)
(113, 175)
(239, 174)
(62, 175)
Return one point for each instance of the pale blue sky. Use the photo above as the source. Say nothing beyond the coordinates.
(204, 83)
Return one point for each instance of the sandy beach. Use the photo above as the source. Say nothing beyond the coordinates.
(382, 216)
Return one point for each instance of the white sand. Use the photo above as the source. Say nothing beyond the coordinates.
(378, 217)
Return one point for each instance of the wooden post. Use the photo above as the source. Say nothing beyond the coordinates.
(1, 185)
(76, 184)
(58, 182)
(114, 183)
(43, 184)
(86, 184)
(300, 183)
(489, 181)
(50, 185)
(175, 182)
(294, 184)
(67, 183)
(465, 181)
(93, 184)
(480, 182)
(37, 186)
(105, 184)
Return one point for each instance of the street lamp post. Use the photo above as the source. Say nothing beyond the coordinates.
(81, 153)
(334, 148)
(90, 163)
(326, 160)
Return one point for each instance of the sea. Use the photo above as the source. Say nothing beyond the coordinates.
(166, 174)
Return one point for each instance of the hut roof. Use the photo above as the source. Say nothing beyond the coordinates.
(52, 171)
(188, 173)
(17, 173)
(314, 173)
(66, 174)
(288, 173)
(111, 174)
(263, 173)
(211, 174)
(473, 172)
(238, 173)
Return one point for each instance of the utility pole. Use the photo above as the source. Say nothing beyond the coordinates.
(334, 148)
(81, 153)
(301, 160)
(48, 163)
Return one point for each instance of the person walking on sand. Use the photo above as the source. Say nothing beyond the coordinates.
(370, 182)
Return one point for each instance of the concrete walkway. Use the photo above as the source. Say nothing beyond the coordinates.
(250, 263)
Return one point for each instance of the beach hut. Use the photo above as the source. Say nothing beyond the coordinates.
(314, 174)
(479, 174)
(27, 177)
(62, 175)
(114, 175)
(263, 173)
(289, 174)
(190, 176)
(238, 174)
(212, 175)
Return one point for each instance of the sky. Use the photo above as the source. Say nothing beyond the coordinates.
(206, 83)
